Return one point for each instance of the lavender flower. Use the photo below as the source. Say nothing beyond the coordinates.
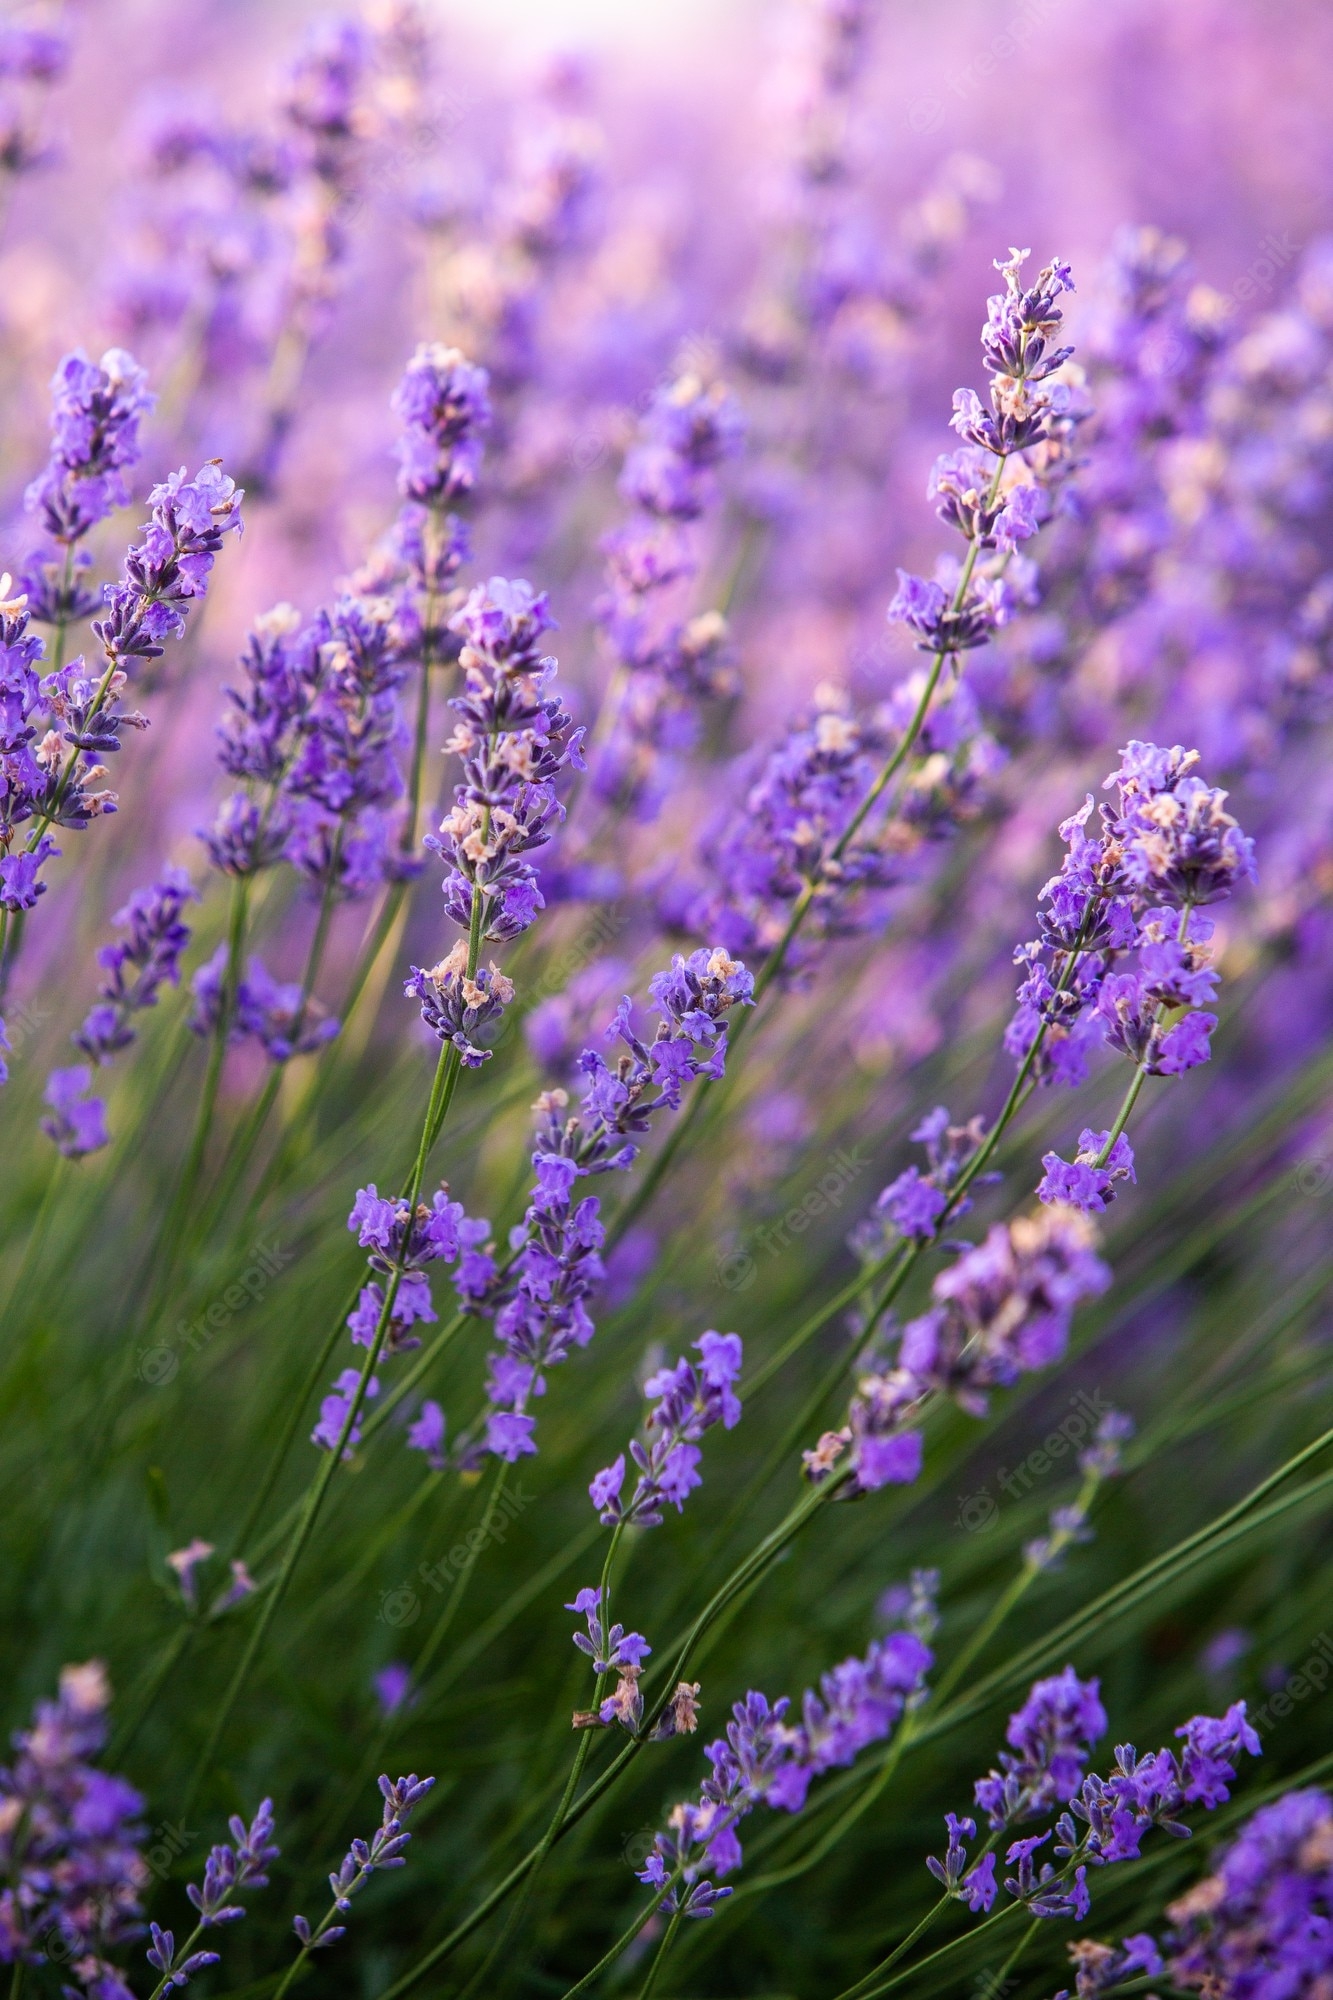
(402, 1242)
(230, 1869)
(170, 567)
(1098, 1967)
(77, 1124)
(538, 1301)
(284, 1021)
(764, 1759)
(71, 1836)
(1166, 845)
(1050, 1738)
(443, 405)
(1024, 438)
(1262, 1921)
(1001, 1310)
(912, 1206)
(152, 950)
(796, 827)
(612, 1650)
(664, 661)
(184, 1562)
(974, 1883)
(514, 739)
(690, 1401)
(95, 413)
(338, 1406)
(1086, 1183)
(393, 1687)
(384, 1850)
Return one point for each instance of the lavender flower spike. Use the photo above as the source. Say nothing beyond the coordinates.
(692, 1398)
(385, 1849)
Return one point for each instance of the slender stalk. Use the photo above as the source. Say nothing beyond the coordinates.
(245, 1140)
(777, 958)
(622, 1943)
(571, 1786)
(179, 1206)
(659, 1959)
(760, 1558)
(442, 1090)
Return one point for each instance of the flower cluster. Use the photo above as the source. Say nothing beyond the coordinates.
(1052, 1737)
(1262, 1922)
(766, 1760)
(613, 1650)
(70, 1838)
(912, 1206)
(170, 567)
(537, 1298)
(1164, 847)
(385, 1849)
(690, 1400)
(227, 1871)
(137, 966)
(664, 662)
(50, 784)
(95, 413)
(1001, 1310)
(77, 1119)
(284, 1021)
(402, 1242)
(801, 838)
(995, 491)
(135, 969)
(43, 781)
(443, 405)
(514, 739)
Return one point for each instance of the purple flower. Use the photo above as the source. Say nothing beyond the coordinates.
(95, 412)
(443, 406)
(1085, 1184)
(427, 1435)
(337, 1407)
(509, 1435)
(171, 565)
(1261, 1922)
(913, 1205)
(393, 1687)
(140, 964)
(1213, 1745)
(385, 1849)
(73, 1833)
(688, 1401)
(77, 1123)
(1050, 1738)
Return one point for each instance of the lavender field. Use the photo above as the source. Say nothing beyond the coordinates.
(666, 956)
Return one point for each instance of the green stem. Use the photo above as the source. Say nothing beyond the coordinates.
(760, 1558)
(178, 1209)
(660, 1956)
(442, 1090)
(571, 1786)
